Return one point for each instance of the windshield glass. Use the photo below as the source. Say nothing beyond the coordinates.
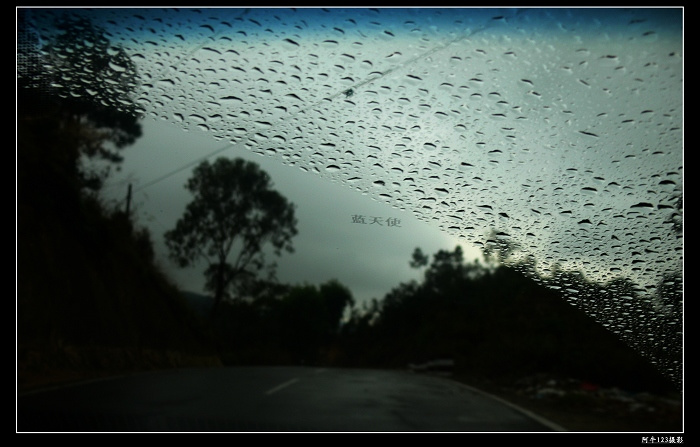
(547, 140)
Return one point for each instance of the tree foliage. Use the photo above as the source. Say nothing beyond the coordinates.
(499, 322)
(85, 274)
(76, 92)
(336, 298)
(283, 324)
(418, 259)
(234, 211)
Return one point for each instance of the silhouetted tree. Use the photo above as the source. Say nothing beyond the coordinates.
(676, 218)
(669, 294)
(76, 92)
(499, 247)
(446, 268)
(75, 101)
(418, 259)
(336, 298)
(497, 321)
(234, 210)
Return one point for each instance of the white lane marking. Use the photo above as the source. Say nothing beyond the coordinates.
(528, 413)
(281, 386)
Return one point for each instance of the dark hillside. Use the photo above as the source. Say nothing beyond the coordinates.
(89, 296)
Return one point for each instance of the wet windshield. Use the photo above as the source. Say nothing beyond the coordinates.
(548, 140)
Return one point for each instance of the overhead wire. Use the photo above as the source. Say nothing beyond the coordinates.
(190, 55)
(302, 110)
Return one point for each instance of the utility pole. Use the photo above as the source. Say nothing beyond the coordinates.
(128, 201)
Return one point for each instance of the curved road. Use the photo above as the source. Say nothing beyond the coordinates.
(272, 399)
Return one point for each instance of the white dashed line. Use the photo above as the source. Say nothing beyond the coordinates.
(279, 387)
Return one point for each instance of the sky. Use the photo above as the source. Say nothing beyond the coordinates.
(370, 259)
(558, 128)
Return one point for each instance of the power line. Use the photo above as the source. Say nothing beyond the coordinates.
(411, 61)
(186, 166)
(171, 173)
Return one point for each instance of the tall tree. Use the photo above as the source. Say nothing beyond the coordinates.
(234, 209)
(78, 89)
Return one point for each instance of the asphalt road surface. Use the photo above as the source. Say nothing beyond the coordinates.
(277, 399)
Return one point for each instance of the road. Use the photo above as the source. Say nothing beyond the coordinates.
(272, 399)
